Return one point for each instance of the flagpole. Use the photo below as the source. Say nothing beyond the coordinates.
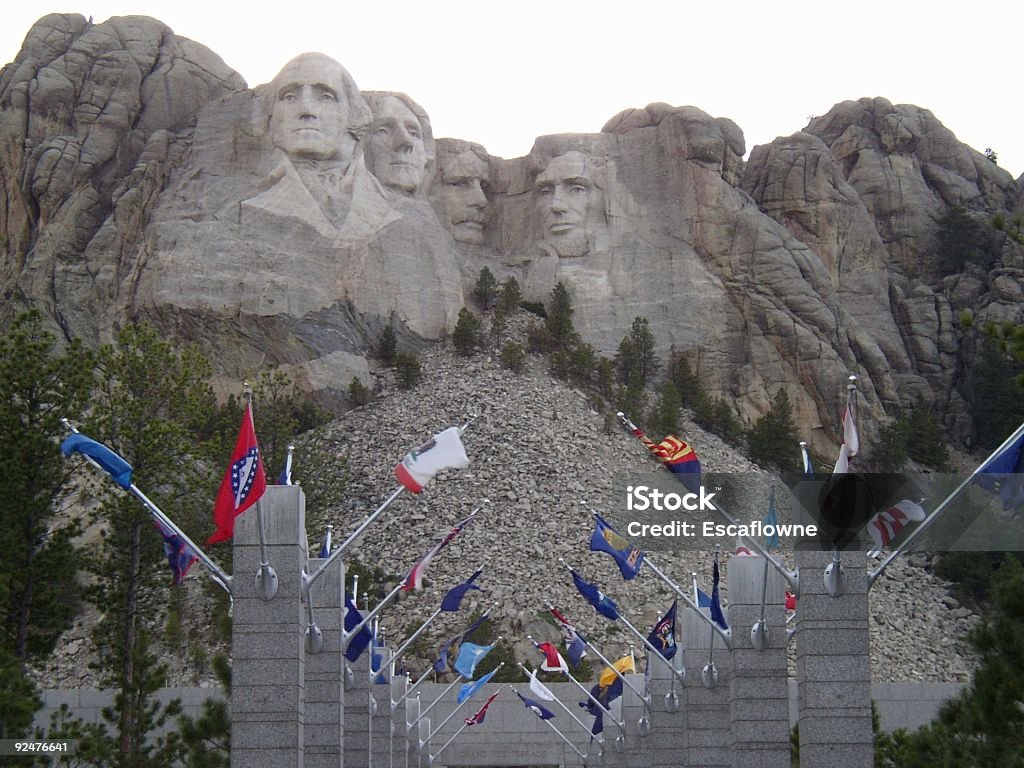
(568, 711)
(607, 664)
(347, 636)
(675, 673)
(620, 725)
(432, 758)
(266, 576)
(793, 577)
(553, 727)
(423, 713)
(452, 714)
(215, 570)
(924, 524)
(309, 579)
(401, 649)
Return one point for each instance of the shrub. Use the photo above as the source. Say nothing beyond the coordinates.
(407, 370)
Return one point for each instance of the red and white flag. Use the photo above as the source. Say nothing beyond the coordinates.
(415, 578)
(243, 484)
(886, 525)
(742, 549)
(443, 451)
(481, 713)
(553, 661)
(851, 442)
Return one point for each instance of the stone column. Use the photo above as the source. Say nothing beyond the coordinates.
(759, 694)
(325, 692)
(833, 664)
(708, 739)
(357, 714)
(668, 729)
(267, 643)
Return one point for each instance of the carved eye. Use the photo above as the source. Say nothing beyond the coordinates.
(414, 133)
(382, 131)
(328, 96)
(579, 189)
(289, 96)
(546, 190)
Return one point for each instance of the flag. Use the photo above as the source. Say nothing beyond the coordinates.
(716, 603)
(538, 689)
(467, 691)
(538, 709)
(575, 645)
(377, 673)
(703, 599)
(742, 550)
(415, 578)
(677, 455)
(808, 467)
(481, 713)
(771, 518)
(603, 696)
(443, 451)
(622, 666)
(851, 442)
(452, 599)
(325, 548)
(601, 602)
(180, 555)
(243, 484)
(469, 656)
(606, 539)
(790, 601)
(119, 469)
(441, 665)
(553, 661)
(1003, 475)
(886, 525)
(285, 478)
(663, 635)
(357, 644)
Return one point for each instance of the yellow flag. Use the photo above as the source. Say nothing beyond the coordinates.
(624, 665)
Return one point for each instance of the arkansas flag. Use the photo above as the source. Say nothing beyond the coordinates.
(243, 483)
(443, 451)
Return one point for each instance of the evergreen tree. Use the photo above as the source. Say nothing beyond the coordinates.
(408, 371)
(358, 393)
(466, 335)
(636, 351)
(559, 317)
(925, 442)
(499, 323)
(38, 588)
(150, 406)
(632, 399)
(691, 391)
(485, 292)
(664, 417)
(510, 296)
(387, 345)
(773, 438)
(997, 397)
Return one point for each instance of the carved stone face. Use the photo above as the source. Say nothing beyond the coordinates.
(566, 197)
(460, 197)
(310, 114)
(397, 155)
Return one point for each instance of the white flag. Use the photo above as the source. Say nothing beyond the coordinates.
(850, 436)
(886, 525)
(538, 689)
(443, 451)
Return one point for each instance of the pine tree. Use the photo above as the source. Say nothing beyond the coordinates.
(773, 437)
(408, 371)
(664, 417)
(485, 292)
(559, 317)
(150, 406)
(466, 335)
(387, 345)
(510, 296)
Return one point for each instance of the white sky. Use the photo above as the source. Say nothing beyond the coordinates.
(503, 74)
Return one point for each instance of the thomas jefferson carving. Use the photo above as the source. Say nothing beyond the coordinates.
(400, 146)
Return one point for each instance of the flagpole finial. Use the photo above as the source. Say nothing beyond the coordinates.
(803, 443)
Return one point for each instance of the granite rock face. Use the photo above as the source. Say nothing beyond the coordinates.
(288, 223)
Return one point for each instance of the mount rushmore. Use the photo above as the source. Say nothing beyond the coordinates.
(286, 224)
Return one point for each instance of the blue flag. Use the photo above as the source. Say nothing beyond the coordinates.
(180, 555)
(606, 539)
(325, 548)
(441, 665)
(285, 478)
(452, 600)
(716, 603)
(703, 599)
(469, 656)
(466, 691)
(1003, 475)
(358, 643)
(538, 709)
(119, 469)
(663, 636)
(377, 672)
(772, 519)
(601, 602)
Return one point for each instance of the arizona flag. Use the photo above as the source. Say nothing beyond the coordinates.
(886, 525)
(443, 451)
(243, 484)
(674, 453)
